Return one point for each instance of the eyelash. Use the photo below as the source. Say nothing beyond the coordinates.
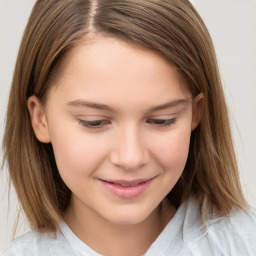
(162, 122)
(100, 124)
(95, 124)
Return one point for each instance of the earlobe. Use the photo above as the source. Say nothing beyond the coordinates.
(38, 119)
(197, 110)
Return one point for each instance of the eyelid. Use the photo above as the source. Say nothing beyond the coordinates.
(165, 115)
(162, 122)
(94, 125)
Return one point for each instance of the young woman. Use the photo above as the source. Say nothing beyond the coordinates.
(117, 136)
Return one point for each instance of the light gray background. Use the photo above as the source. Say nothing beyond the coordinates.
(232, 24)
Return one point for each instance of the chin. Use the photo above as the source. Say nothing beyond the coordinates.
(129, 217)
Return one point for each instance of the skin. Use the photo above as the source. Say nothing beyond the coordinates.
(146, 117)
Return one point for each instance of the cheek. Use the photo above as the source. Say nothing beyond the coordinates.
(172, 150)
(75, 153)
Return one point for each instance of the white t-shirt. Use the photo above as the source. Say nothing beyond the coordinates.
(184, 236)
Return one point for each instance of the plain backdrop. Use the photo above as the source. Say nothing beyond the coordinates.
(232, 24)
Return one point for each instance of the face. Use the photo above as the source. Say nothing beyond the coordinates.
(119, 118)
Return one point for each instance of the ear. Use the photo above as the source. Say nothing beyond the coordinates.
(197, 110)
(38, 119)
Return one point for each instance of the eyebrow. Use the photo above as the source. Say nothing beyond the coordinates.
(89, 104)
(171, 104)
(94, 105)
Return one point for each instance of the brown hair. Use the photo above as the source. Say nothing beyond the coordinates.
(173, 29)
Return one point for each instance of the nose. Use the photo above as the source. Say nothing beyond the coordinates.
(129, 151)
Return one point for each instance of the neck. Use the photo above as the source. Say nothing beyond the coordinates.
(113, 239)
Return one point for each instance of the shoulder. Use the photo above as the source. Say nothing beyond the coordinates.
(36, 243)
(238, 232)
(231, 235)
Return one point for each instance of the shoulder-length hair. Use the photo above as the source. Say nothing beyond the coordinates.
(171, 28)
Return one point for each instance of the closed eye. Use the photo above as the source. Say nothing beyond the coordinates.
(94, 124)
(162, 122)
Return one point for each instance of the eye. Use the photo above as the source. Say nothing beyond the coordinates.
(94, 124)
(162, 122)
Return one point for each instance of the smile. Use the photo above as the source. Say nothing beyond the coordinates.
(126, 189)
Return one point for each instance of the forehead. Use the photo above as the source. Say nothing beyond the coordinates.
(110, 68)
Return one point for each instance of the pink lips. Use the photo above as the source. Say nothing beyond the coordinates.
(126, 189)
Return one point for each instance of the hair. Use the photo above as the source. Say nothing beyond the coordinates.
(172, 29)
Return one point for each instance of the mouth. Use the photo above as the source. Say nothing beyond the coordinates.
(126, 183)
(126, 188)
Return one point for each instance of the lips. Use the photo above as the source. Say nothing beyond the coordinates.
(126, 188)
(125, 183)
